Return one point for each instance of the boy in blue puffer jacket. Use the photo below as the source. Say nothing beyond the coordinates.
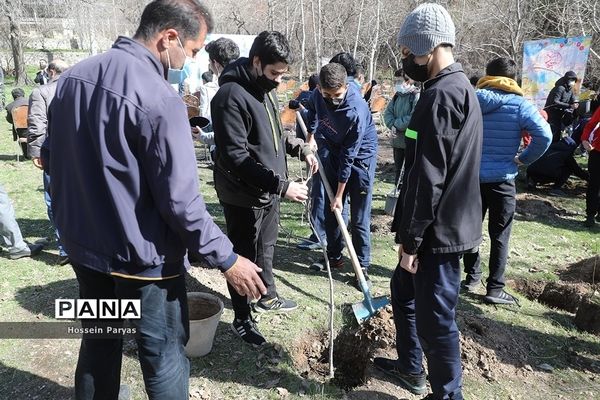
(505, 115)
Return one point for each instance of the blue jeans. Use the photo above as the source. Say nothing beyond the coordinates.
(359, 189)
(163, 332)
(9, 229)
(48, 200)
(424, 308)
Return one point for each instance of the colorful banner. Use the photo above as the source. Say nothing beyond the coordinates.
(545, 61)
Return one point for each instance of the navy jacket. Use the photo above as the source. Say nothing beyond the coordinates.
(439, 208)
(124, 180)
(348, 132)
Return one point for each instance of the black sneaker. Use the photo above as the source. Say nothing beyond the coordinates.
(278, 304)
(334, 263)
(557, 193)
(470, 284)
(500, 297)
(589, 222)
(248, 331)
(63, 260)
(413, 383)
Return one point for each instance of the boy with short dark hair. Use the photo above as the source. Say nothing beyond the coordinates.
(347, 140)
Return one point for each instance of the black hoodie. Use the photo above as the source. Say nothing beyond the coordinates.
(250, 161)
(439, 209)
(560, 98)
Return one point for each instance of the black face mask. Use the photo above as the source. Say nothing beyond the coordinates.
(331, 103)
(265, 83)
(415, 71)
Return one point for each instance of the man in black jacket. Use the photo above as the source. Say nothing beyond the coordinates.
(251, 168)
(438, 217)
(561, 103)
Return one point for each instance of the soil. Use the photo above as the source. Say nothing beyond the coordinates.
(588, 315)
(488, 349)
(565, 296)
(576, 281)
(586, 271)
(200, 308)
(532, 207)
(381, 224)
(530, 289)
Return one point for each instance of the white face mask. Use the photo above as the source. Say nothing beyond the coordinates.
(571, 83)
(177, 76)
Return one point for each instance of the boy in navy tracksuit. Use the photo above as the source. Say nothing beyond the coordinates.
(440, 215)
(347, 139)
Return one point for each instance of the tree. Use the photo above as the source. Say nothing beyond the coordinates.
(12, 9)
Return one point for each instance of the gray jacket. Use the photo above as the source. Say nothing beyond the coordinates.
(37, 118)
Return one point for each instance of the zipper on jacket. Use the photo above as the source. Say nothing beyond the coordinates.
(274, 131)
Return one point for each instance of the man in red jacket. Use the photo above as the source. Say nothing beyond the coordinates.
(590, 138)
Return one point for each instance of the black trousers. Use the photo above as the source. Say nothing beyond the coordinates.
(500, 199)
(253, 232)
(398, 162)
(592, 198)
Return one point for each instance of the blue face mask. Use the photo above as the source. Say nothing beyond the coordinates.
(177, 76)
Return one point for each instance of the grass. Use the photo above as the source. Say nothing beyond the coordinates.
(44, 369)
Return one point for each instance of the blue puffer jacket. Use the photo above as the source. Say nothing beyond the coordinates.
(505, 116)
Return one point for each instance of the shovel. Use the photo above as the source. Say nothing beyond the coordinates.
(369, 306)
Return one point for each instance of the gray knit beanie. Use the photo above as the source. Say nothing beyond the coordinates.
(425, 28)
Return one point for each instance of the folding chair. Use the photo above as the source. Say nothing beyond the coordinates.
(19, 117)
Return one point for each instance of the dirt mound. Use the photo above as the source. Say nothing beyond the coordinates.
(531, 207)
(491, 349)
(562, 295)
(530, 289)
(352, 350)
(565, 296)
(381, 224)
(587, 271)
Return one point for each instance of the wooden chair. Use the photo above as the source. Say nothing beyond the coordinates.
(19, 117)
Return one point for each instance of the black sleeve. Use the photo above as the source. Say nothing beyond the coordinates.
(560, 90)
(231, 124)
(426, 177)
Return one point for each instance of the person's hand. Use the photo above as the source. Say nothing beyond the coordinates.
(517, 161)
(587, 145)
(297, 192)
(37, 161)
(312, 164)
(196, 132)
(244, 278)
(337, 203)
(409, 262)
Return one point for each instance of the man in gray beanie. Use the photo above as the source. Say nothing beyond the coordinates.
(439, 218)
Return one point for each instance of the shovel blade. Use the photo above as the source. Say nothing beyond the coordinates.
(368, 308)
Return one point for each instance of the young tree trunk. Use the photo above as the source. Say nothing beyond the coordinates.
(316, 22)
(375, 43)
(303, 43)
(360, 14)
(16, 45)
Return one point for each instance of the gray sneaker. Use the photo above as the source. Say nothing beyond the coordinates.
(30, 251)
(278, 304)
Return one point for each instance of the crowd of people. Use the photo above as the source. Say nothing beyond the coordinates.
(119, 173)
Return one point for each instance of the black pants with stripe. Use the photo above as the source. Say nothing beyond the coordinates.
(253, 233)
